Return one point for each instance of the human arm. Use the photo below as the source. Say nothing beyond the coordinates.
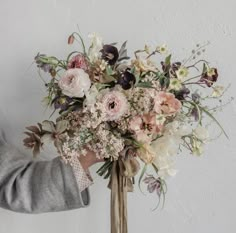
(30, 186)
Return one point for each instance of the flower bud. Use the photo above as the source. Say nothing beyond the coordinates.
(71, 39)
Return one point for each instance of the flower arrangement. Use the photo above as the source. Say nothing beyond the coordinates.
(136, 113)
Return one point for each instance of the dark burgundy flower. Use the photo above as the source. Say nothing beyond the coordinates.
(126, 80)
(209, 77)
(175, 66)
(110, 54)
(170, 67)
(182, 94)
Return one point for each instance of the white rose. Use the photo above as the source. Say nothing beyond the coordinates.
(165, 165)
(146, 153)
(167, 145)
(75, 83)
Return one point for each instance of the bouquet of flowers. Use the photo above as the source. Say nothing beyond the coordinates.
(136, 113)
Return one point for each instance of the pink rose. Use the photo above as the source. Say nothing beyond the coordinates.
(75, 83)
(78, 61)
(166, 103)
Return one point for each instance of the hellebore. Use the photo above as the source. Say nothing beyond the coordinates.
(126, 80)
(110, 54)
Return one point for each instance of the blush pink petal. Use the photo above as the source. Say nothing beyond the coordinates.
(166, 103)
(78, 61)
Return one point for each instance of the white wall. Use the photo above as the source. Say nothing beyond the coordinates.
(201, 198)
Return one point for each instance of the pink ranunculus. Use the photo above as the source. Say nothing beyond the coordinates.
(166, 103)
(78, 61)
(115, 105)
(75, 83)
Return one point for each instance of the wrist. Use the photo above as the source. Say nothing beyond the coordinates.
(84, 163)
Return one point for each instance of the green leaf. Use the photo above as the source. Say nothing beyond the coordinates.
(137, 79)
(159, 75)
(164, 81)
(109, 71)
(101, 86)
(167, 82)
(123, 52)
(168, 59)
(122, 48)
(145, 84)
(108, 172)
(132, 71)
(105, 168)
(204, 69)
(155, 167)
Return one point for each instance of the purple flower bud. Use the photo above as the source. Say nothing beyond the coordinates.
(196, 97)
(39, 59)
(71, 39)
(195, 114)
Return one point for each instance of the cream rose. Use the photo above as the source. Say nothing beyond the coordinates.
(75, 83)
(144, 65)
(146, 153)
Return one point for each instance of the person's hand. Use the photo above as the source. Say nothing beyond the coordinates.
(89, 159)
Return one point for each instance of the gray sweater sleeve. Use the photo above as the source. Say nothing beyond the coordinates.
(29, 186)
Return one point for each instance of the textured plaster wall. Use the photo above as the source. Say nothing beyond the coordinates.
(201, 198)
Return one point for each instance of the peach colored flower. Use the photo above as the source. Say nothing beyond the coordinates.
(144, 65)
(145, 127)
(166, 103)
(136, 126)
(75, 83)
(146, 153)
(136, 123)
